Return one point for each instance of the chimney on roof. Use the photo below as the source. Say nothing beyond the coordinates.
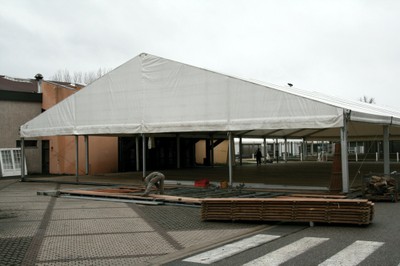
(39, 78)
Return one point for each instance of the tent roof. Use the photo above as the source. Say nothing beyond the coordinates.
(150, 95)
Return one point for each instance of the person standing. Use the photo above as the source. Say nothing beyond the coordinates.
(258, 157)
(154, 179)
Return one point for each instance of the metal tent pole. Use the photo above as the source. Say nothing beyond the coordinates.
(86, 154)
(77, 158)
(137, 154)
(22, 159)
(386, 155)
(265, 149)
(178, 151)
(144, 155)
(212, 150)
(345, 161)
(240, 151)
(230, 157)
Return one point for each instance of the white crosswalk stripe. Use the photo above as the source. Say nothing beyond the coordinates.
(353, 254)
(288, 252)
(231, 249)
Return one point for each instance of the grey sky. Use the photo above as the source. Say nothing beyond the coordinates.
(346, 48)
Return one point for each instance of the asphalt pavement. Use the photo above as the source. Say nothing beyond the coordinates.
(45, 230)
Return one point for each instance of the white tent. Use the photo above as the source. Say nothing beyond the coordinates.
(153, 95)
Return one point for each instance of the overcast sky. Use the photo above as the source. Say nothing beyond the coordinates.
(344, 48)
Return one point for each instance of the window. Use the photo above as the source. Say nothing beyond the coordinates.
(10, 162)
(28, 143)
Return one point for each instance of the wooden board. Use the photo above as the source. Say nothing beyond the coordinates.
(289, 209)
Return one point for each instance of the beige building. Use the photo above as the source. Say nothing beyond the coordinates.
(22, 100)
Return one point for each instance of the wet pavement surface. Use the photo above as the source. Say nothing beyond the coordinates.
(44, 230)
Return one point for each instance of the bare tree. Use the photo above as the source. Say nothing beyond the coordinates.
(78, 76)
(366, 99)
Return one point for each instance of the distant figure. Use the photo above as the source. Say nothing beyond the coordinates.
(154, 179)
(258, 157)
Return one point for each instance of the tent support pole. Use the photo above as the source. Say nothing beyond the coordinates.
(286, 150)
(144, 155)
(240, 151)
(212, 150)
(77, 158)
(265, 149)
(178, 151)
(86, 155)
(344, 155)
(230, 157)
(137, 153)
(386, 155)
(22, 159)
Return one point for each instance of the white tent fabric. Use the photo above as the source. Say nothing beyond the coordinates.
(149, 94)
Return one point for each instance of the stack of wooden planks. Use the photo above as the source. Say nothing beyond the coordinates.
(291, 209)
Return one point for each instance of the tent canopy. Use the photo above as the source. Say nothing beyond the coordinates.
(154, 95)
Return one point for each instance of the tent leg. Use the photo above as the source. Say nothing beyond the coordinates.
(386, 156)
(178, 151)
(86, 155)
(230, 158)
(345, 161)
(22, 159)
(212, 150)
(265, 150)
(144, 155)
(77, 158)
(286, 150)
(240, 151)
(137, 154)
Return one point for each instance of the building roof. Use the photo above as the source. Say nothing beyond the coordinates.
(18, 84)
(153, 95)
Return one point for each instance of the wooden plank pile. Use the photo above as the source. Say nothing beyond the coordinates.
(380, 187)
(292, 209)
(130, 193)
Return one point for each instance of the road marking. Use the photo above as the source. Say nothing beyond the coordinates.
(228, 250)
(353, 254)
(287, 252)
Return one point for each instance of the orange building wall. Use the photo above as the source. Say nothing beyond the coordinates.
(103, 155)
(220, 152)
(103, 151)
